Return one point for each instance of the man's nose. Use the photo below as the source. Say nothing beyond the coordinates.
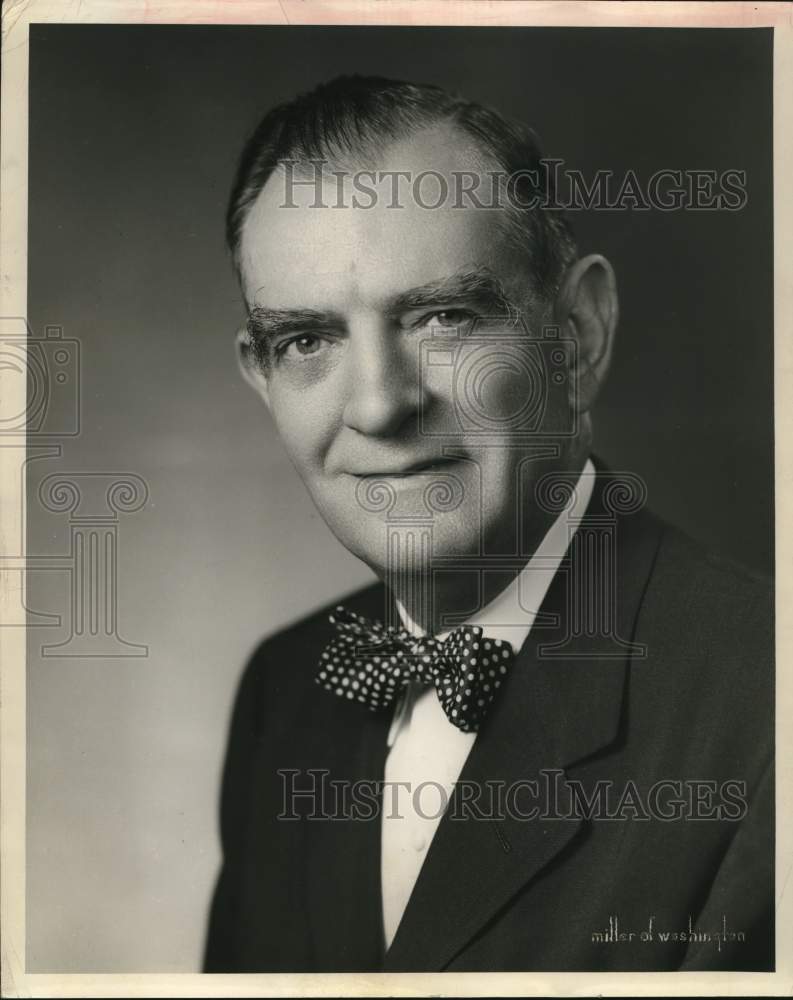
(385, 392)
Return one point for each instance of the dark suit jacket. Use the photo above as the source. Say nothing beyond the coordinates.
(545, 893)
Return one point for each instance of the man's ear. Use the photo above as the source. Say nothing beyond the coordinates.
(249, 365)
(587, 309)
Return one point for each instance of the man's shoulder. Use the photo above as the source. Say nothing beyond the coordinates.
(706, 628)
(710, 584)
(708, 614)
(673, 575)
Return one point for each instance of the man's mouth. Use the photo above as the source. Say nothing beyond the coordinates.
(413, 469)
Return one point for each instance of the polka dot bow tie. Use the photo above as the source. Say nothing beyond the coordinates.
(370, 663)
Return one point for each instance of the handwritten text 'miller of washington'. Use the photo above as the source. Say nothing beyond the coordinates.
(614, 935)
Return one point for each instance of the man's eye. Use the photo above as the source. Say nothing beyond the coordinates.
(450, 319)
(299, 347)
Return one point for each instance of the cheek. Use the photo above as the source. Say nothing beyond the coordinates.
(505, 392)
(304, 424)
(492, 387)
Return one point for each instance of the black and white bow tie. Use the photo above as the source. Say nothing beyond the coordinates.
(370, 663)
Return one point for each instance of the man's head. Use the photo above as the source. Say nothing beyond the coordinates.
(396, 319)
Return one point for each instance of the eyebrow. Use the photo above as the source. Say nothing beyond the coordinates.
(267, 324)
(478, 286)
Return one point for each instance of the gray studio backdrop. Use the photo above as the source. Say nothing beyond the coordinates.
(134, 132)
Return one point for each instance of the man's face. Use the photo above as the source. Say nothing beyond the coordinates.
(387, 372)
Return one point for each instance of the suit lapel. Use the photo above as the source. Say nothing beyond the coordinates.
(553, 711)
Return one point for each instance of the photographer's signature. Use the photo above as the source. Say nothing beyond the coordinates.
(617, 933)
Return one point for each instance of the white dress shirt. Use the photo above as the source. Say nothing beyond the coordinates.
(426, 748)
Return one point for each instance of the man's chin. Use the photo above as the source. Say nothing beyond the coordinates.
(400, 549)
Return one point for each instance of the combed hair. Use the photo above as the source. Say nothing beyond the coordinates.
(350, 114)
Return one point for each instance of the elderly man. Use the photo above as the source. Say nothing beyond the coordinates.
(544, 740)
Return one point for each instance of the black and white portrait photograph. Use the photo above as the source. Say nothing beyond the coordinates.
(394, 484)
